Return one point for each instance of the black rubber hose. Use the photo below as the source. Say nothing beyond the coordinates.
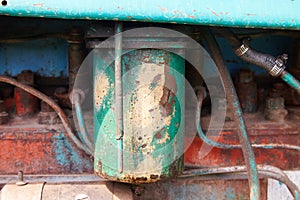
(260, 59)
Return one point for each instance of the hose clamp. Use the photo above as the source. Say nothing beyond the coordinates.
(241, 50)
(278, 68)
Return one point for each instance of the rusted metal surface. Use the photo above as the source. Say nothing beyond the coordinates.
(198, 189)
(3, 114)
(63, 97)
(261, 131)
(26, 77)
(69, 132)
(274, 109)
(26, 104)
(47, 115)
(274, 104)
(39, 149)
(247, 91)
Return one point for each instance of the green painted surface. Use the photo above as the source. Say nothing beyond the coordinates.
(153, 117)
(291, 81)
(237, 13)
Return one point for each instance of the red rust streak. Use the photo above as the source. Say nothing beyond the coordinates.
(213, 12)
(38, 4)
(162, 9)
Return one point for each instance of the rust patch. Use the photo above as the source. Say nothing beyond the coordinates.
(158, 135)
(38, 4)
(162, 9)
(164, 139)
(152, 176)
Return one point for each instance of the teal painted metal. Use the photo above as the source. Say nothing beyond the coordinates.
(291, 81)
(68, 157)
(153, 107)
(281, 14)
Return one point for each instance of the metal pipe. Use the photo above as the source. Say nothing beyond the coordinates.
(83, 135)
(265, 170)
(53, 105)
(119, 93)
(232, 146)
(57, 178)
(76, 55)
(237, 114)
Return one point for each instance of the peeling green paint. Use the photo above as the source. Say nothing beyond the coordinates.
(153, 118)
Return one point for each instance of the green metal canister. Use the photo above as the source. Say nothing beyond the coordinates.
(153, 117)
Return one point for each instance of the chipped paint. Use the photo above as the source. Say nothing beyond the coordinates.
(101, 91)
(163, 11)
(152, 116)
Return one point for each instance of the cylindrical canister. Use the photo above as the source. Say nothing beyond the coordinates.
(153, 117)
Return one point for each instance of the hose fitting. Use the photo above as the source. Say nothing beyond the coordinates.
(275, 66)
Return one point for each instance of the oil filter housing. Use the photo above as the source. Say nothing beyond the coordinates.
(153, 110)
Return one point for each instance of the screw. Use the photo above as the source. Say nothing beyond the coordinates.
(20, 181)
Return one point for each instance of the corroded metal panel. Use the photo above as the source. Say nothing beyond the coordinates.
(250, 13)
(260, 131)
(39, 149)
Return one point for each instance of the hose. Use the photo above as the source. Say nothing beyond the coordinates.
(53, 105)
(233, 146)
(275, 66)
(263, 170)
(237, 114)
(83, 131)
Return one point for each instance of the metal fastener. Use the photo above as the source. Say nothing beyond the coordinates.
(20, 181)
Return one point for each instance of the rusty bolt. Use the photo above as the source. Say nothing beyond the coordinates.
(274, 103)
(274, 109)
(20, 181)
